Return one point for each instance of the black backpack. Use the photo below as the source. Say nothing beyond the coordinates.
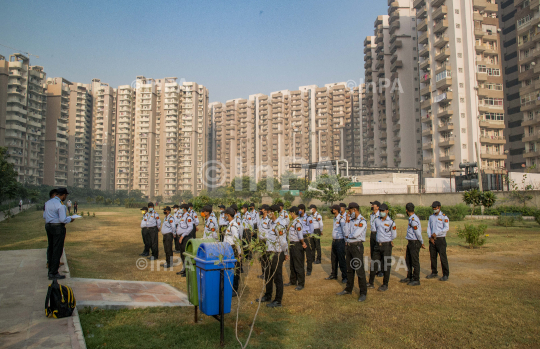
(60, 301)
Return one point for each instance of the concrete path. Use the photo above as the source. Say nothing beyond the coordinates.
(118, 294)
(23, 288)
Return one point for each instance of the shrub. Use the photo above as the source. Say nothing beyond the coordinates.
(88, 213)
(135, 204)
(537, 217)
(473, 234)
(288, 196)
(391, 210)
(108, 201)
(506, 221)
(423, 212)
(457, 212)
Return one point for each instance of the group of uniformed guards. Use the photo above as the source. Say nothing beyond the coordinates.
(294, 235)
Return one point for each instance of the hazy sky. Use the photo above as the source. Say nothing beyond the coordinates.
(234, 48)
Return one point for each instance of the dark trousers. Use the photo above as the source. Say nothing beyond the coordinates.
(274, 275)
(177, 243)
(264, 261)
(310, 253)
(337, 257)
(247, 237)
(74, 209)
(237, 267)
(153, 239)
(167, 246)
(146, 240)
(354, 255)
(384, 253)
(56, 234)
(412, 258)
(439, 248)
(193, 233)
(374, 247)
(298, 276)
(221, 229)
(183, 249)
(316, 244)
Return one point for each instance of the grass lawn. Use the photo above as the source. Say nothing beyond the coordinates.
(491, 300)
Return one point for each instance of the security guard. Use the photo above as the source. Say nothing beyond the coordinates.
(247, 229)
(211, 226)
(386, 233)
(354, 250)
(414, 244)
(177, 214)
(307, 224)
(254, 215)
(167, 230)
(183, 230)
(222, 221)
(195, 220)
(438, 226)
(232, 237)
(264, 224)
(152, 229)
(337, 255)
(238, 219)
(277, 252)
(297, 253)
(343, 211)
(283, 214)
(144, 233)
(374, 247)
(318, 231)
(56, 218)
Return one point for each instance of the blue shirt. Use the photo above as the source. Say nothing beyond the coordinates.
(55, 212)
(356, 230)
(438, 224)
(386, 229)
(372, 218)
(414, 230)
(307, 224)
(339, 224)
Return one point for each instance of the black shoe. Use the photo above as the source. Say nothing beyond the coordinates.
(380, 274)
(331, 277)
(342, 293)
(414, 283)
(405, 281)
(181, 273)
(368, 285)
(167, 266)
(344, 281)
(152, 258)
(242, 270)
(264, 299)
(308, 273)
(299, 288)
(432, 276)
(144, 254)
(362, 298)
(317, 262)
(444, 278)
(287, 284)
(57, 276)
(274, 304)
(383, 288)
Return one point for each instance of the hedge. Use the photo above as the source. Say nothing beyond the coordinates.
(136, 204)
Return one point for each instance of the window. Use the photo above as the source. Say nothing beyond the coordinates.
(461, 85)
(464, 146)
(494, 116)
(496, 102)
(523, 21)
(456, 11)
(460, 55)
(463, 130)
(460, 70)
(458, 40)
(457, 25)
(443, 75)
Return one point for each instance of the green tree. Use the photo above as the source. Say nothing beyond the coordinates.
(108, 201)
(309, 195)
(244, 186)
(268, 184)
(333, 188)
(99, 199)
(117, 201)
(288, 196)
(8, 177)
(472, 198)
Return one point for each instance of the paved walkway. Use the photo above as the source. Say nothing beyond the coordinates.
(23, 288)
(117, 294)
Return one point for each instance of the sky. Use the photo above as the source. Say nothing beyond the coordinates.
(234, 48)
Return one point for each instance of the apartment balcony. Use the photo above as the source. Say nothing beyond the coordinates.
(425, 104)
(441, 26)
(492, 124)
(427, 133)
(481, 76)
(445, 113)
(437, 3)
(396, 65)
(446, 127)
(531, 122)
(427, 146)
(446, 142)
(424, 64)
(444, 83)
(419, 3)
(422, 25)
(424, 38)
(502, 140)
(493, 155)
(427, 161)
(395, 45)
(443, 55)
(439, 13)
(530, 154)
(424, 53)
(479, 5)
(395, 25)
(447, 158)
(421, 13)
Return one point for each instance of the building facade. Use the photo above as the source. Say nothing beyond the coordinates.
(79, 135)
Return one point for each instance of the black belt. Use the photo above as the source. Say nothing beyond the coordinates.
(337, 239)
(385, 243)
(55, 224)
(354, 243)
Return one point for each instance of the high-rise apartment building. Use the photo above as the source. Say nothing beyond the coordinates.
(527, 29)
(513, 118)
(460, 56)
(103, 135)
(22, 116)
(353, 129)
(125, 142)
(392, 130)
(55, 166)
(79, 135)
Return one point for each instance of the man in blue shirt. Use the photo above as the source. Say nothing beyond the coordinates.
(307, 224)
(438, 226)
(337, 256)
(56, 218)
(414, 244)
(386, 233)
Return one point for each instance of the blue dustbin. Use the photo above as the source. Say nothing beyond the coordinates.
(208, 266)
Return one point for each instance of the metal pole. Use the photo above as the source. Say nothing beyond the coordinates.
(196, 313)
(221, 305)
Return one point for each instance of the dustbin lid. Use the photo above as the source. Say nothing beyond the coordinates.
(212, 251)
(193, 245)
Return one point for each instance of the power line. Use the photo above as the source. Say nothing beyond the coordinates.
(20, 51)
